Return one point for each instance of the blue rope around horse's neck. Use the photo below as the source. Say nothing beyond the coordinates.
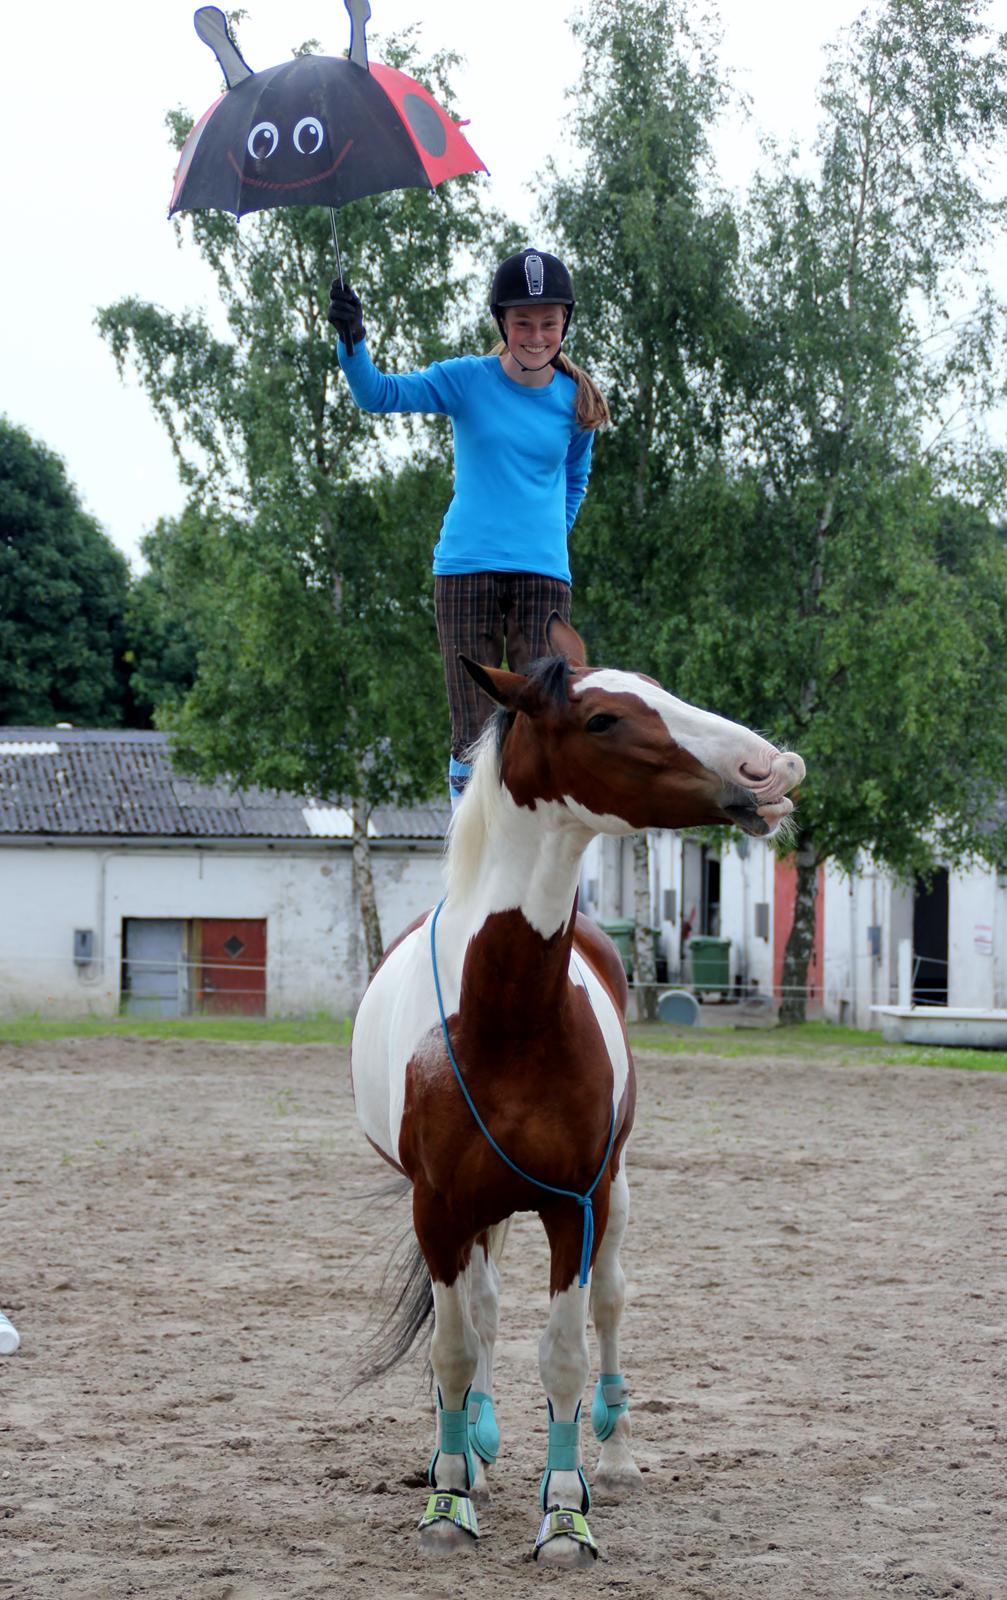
(583, 1200)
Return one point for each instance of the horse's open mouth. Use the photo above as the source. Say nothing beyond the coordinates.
(748, 820)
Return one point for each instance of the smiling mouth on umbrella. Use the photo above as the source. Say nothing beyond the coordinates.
(295, 183)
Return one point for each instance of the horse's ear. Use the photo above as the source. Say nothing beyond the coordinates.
(511, 690)
(565, 641)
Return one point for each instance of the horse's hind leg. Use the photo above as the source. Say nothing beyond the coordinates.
(617, 1474)
(483, 1280)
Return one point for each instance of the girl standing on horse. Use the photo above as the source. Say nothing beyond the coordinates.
(523, 419)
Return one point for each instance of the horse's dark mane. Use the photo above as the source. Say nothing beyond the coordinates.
(551, 673)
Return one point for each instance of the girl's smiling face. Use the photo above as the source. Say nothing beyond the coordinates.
(534, 333)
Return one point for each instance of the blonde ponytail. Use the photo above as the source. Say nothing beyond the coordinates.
(590, 406)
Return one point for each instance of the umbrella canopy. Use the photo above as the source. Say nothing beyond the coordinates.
(317, 130)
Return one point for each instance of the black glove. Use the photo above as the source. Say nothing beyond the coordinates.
(346, 313)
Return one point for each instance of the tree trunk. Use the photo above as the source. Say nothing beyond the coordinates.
(363, 887)
(644, 969)
(800, 944)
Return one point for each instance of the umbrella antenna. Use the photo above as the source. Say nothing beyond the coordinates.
(211, 25)
(359, 11)
(339, 268)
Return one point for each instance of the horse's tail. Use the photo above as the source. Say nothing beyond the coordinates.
(406, 1285)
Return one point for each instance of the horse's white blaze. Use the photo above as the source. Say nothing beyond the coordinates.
(721, 745)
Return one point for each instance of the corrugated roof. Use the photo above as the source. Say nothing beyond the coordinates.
(121, 783)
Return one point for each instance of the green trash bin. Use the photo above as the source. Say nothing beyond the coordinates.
(621, 933)
(711, 964)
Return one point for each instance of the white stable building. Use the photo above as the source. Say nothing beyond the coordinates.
(741, 891)
(124, 886)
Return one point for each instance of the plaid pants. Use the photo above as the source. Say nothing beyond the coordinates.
(481, 614)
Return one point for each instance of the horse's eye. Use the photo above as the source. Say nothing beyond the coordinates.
(601, 722)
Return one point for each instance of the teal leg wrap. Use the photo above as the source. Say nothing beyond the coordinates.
(453, 1437)
(564, 1457)
(611, 1399)
(484, 1434)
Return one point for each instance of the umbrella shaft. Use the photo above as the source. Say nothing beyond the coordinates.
(339, 269)
(335, 241)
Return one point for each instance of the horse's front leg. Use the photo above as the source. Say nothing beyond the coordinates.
(564, 1538)
(617, 1474)
(449, 1521)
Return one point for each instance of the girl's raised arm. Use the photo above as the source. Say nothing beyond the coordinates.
(432, 390)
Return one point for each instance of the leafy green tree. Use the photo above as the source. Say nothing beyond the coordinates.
(307, 542)
(62, 596)
(658, 324)
(807, 522)
(874, 362)
(160, 622)
(654, 246)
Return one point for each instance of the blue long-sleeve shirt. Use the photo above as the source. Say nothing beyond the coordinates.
(521, 460)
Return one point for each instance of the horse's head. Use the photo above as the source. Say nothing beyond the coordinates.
(622, 754)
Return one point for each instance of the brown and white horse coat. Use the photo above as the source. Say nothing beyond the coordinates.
(534, 998)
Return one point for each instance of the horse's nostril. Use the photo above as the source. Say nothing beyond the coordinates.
(753, 777)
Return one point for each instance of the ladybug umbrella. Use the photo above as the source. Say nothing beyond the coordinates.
(317, 130)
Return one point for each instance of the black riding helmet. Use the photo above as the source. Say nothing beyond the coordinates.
(532, 278)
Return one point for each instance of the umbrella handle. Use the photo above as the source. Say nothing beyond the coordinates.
(339, 268)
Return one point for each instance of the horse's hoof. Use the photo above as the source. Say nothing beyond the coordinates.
(565, 1555)
(565, 1540)
(615, 1484)
(448, 1525)
(443, 1540)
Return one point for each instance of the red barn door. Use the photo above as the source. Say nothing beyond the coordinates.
(233, 966)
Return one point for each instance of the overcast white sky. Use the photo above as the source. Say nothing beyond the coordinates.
(88, 173)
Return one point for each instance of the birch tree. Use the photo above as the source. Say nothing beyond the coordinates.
(306, 546)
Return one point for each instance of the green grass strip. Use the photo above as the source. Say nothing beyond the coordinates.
(828, 1042)
(318, 1029)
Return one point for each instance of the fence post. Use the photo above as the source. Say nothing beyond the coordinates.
(905, 972)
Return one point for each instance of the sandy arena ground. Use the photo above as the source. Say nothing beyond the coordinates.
(815, 1340)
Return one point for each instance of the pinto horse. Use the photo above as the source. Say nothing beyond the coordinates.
(491, 1065)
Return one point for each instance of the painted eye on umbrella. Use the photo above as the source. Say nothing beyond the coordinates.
(262, 140)
(309, 136)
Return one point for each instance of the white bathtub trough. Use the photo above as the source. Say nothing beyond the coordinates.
(951, 1025)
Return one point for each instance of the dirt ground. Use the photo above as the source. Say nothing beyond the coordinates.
(815, 1339)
